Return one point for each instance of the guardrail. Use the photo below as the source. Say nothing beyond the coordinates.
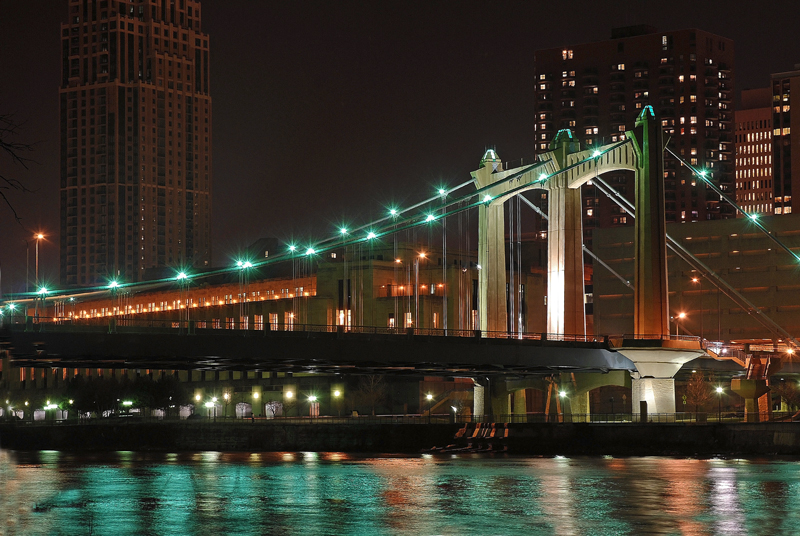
(685, 418)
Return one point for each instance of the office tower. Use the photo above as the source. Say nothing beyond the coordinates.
(135, 140)
(754, 189)
(785, 162)
(598, 89)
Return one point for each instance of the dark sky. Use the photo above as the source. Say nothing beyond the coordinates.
(325, 112)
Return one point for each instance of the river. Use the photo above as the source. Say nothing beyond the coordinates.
(213, 493)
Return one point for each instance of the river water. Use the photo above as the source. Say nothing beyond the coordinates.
(213, 493)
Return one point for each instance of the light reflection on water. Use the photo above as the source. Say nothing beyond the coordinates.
(133, 493)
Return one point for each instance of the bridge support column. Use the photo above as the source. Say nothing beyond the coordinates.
(659, 393)
(579, 407)
(478, 401)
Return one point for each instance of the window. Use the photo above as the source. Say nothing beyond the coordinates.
(566, 54)
(288, 321)
(273, 321)
(215, 323)
(409, 323)
(244, 322)
(230, 323)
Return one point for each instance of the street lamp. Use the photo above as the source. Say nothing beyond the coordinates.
(719, 404)
(429, 397)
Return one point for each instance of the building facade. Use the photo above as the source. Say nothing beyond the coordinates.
(734, 249)
(598, 89)
(135, 110)
(786, 163)
(754, 188)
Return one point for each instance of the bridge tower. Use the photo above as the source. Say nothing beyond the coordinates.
(656, 356)
(566, 312)
(492, 315)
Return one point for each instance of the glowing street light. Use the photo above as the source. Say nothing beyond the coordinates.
(289, 394)
(429, 398)
(430, 217)
(113, 284)
(442, 191)
(680, 316)
(371, 235)
(487, 198)
(310, 251)
(393, 212)
(562, 394)
(596, 154)
(181, 276)
(543, 177)
(719, 405)
(343, 231)
(292, 248)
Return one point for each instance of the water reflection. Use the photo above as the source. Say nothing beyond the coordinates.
(334, 493)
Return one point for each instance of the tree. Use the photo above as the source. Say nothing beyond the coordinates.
(371, 392)
(13, 150)
(789, 392)
(698, 391)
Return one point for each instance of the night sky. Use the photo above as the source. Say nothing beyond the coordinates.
(326, 112)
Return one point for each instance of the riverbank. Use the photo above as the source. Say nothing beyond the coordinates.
(665, 439)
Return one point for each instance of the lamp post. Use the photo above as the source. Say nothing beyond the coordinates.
(678, 318)
(182, 279)
(700, 283)
(416, 289)
(38, 237)
(719, 404)
(337, 395)
(42, 294)
(311, 401)
(226, 396)
(429, 397)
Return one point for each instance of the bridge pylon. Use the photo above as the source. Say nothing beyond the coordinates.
(657, 357)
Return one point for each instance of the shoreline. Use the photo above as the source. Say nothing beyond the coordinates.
(544, 439)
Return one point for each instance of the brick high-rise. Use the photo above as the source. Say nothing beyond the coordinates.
(135, 140)
(598, 90)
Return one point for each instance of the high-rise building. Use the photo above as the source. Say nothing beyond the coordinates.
(785, 162)
(598, 89)
(135, 140)
(754, 152)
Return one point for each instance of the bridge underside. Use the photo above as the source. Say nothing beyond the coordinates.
(326, 353)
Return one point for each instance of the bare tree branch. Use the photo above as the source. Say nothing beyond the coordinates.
(14, 150)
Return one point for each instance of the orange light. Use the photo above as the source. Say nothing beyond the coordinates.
(39, 236)
(695, 280)
(398, 261)
(422, 255)
(682, 315)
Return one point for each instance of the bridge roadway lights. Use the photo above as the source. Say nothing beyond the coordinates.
(657, 362)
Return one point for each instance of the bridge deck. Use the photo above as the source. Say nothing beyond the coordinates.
(301, 351)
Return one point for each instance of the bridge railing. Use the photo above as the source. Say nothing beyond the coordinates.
(132, 323)
(685, 418)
